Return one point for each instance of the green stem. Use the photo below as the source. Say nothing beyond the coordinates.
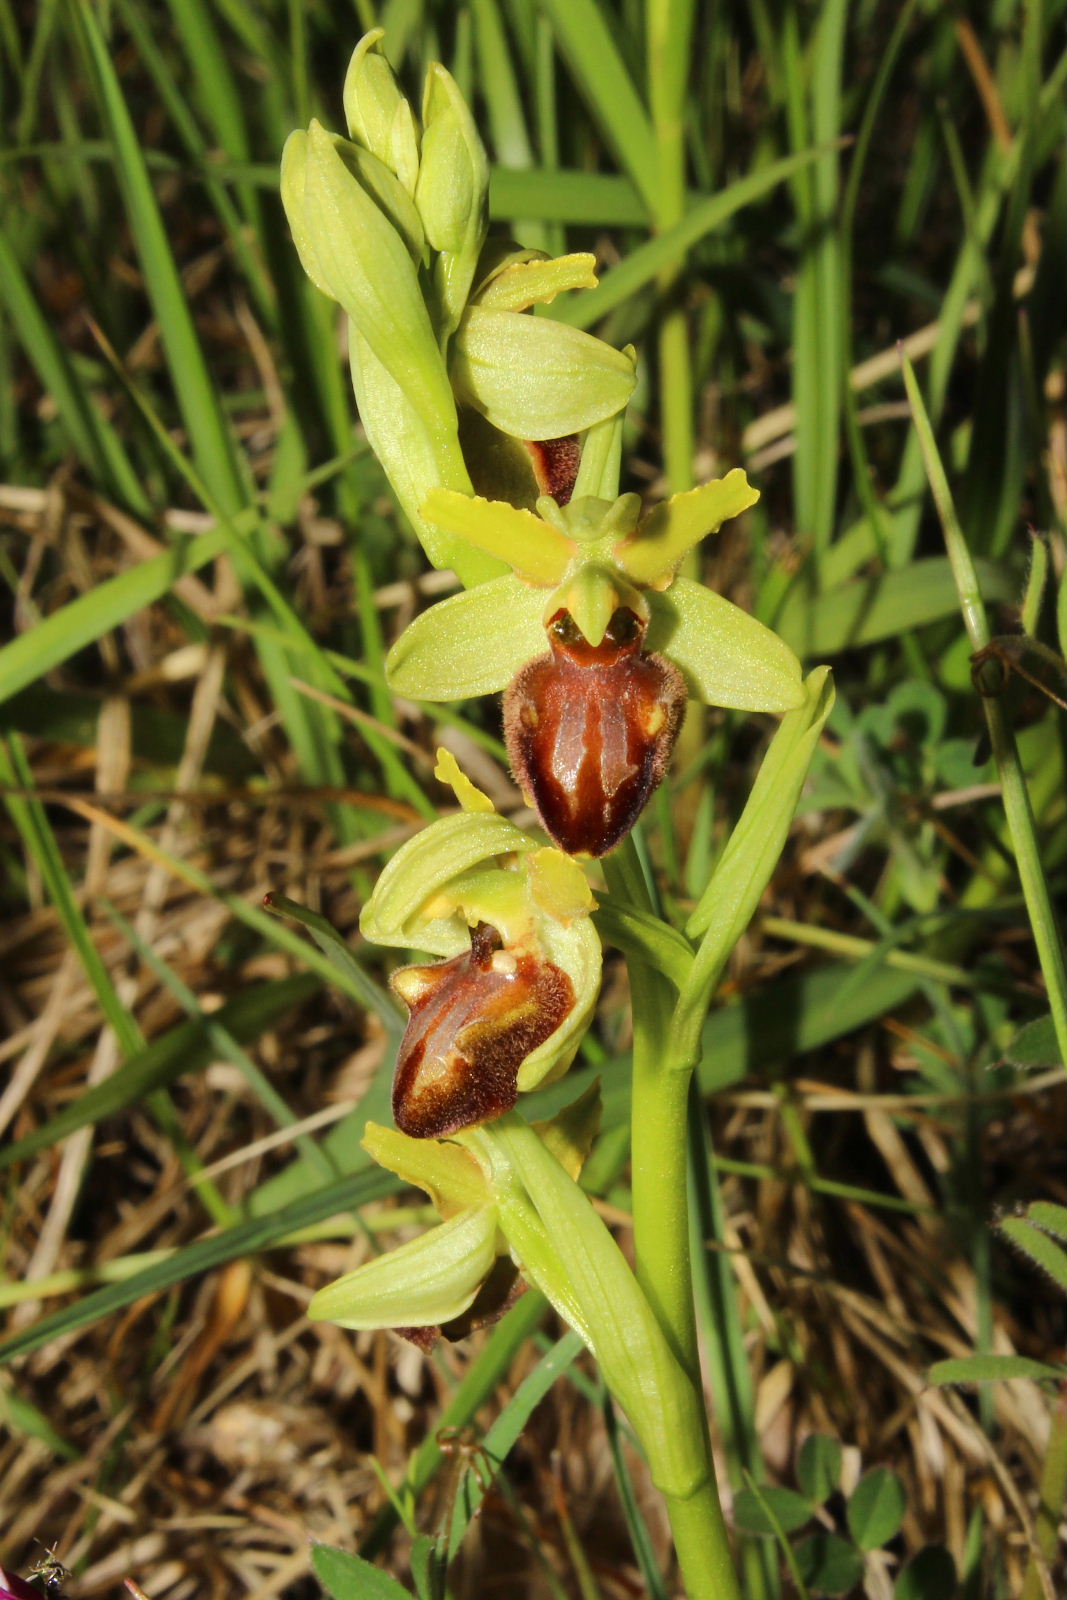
(661, 1232)
(1017, 808)
(669, 36)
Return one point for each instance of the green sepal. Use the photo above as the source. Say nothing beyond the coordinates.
(522, 284)
(536, 378)
(727, 657)
(652, 553)
(421, 1284)
(450, 1175)
(402, 911)
(533, 549)
(470, 644)
(575, 947)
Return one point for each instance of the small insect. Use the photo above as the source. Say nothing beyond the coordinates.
(464, 1453)
(992, 667)
(51, 1573)
(590, 728)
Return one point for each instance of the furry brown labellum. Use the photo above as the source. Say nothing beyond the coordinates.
(474, 1020)
(590, 729)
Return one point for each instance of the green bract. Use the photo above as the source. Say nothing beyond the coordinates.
(391, 223)
(434, 1279)
(589, 558)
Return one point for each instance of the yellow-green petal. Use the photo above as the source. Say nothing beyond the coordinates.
(653, 552)
(534, 550)
(449, 771)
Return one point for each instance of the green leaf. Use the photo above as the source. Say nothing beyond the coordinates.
(55, 639)
(1042, 1251)
(470, 644)
(199, 398)
(876, 1508)
(929, 1575)
(508, 1426)
(228, 1244)
(790, 1510)
(1035, 1047)
(337, 951)
(1052, 1218)
(866, 610)
(589, 45)
(537, 378)
(349, 1577)
(828, 1563)
(727, 656)
(990, 1369)
(819, 1466)
(567, 1251)
(756, 843)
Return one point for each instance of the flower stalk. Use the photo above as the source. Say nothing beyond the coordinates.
(501, 435)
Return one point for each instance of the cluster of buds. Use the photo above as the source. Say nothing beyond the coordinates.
(457, 387)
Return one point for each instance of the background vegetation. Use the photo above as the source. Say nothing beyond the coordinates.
(201, 569)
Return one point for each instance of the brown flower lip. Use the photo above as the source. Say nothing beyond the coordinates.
(590, 729)
(474, 1020)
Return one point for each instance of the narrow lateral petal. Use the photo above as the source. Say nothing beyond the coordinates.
(526, 283)
(533, 548)
(651, 554)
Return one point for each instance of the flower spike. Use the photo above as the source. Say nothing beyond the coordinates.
(506, 1008)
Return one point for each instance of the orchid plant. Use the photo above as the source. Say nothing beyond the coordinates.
(500, 432)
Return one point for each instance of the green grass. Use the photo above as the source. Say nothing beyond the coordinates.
(827, 181)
